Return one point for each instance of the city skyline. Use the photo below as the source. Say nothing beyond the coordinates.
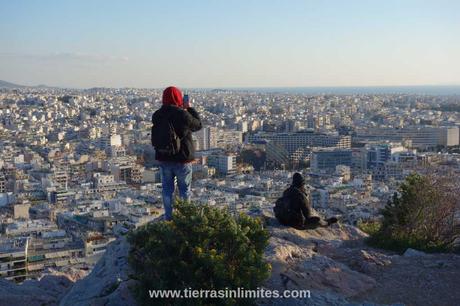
(79, 173)
(216, 44)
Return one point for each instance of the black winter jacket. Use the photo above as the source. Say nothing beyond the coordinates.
(299, 203)
(185, 122)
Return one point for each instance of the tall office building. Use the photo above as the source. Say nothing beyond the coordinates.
(285, 148)
(203, 138)
(212, 137)
(325, 160)
(378, 154)
(292, 141)
(359, 161)
(418, 137)
(223, 163)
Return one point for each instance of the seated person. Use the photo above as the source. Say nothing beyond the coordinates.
(293, 208)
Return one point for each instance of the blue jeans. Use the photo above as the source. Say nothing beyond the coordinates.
(170, 171)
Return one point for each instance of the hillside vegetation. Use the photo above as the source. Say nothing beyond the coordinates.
(422, 215)
(201, 248)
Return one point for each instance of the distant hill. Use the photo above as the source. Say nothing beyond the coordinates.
(4, 84)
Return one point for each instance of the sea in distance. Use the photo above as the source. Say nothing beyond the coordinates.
(422, 90)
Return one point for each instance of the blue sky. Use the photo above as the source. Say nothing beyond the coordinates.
(250, 43)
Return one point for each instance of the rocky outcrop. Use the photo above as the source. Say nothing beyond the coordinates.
(73, 274)
(333, 263)
(300, 261)
(108, 283)
(339, 269)
(49, 290)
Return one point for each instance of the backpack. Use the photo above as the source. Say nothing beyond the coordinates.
(164, 137)
(282, 210)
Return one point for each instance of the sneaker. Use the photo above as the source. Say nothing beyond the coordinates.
(161, 218)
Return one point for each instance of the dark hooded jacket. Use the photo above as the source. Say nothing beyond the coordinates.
(299, 204)
(184, 121)
(294, 208)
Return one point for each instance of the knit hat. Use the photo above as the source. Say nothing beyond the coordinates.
(298, 180)
(172, 96)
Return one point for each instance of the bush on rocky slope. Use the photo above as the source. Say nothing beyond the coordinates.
(201, 248)
(421, 216)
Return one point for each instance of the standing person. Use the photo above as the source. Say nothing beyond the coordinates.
(293, 208)
(172, 127)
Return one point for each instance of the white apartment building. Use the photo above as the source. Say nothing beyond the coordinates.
(292, 141)
(13, 257)
(224, 163)
(419, 137)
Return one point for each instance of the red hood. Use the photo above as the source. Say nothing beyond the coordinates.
(172, 96)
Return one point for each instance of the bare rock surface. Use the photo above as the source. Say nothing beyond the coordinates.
(71, 273)
(299, 262)
(47, 291)
(431, 279)
(339, 269)
(108, 283)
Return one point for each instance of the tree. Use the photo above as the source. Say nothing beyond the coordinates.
(421, 216)
(254, 157)
(201, 248)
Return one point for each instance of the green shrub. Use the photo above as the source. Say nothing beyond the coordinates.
(369, 227)
(421, 216)
(400, 243)
(201, 248)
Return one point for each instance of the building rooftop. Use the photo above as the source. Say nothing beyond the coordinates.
(8, 245)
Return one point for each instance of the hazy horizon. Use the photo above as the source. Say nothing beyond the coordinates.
(238, 44)
(248, 87)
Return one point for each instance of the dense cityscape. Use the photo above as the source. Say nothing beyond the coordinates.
(77, 167)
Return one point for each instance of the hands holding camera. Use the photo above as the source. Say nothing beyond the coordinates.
(186, 100)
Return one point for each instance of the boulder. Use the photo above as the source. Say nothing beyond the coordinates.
(47, 291)
(414, 253)
(300, 261)
(108, 283)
